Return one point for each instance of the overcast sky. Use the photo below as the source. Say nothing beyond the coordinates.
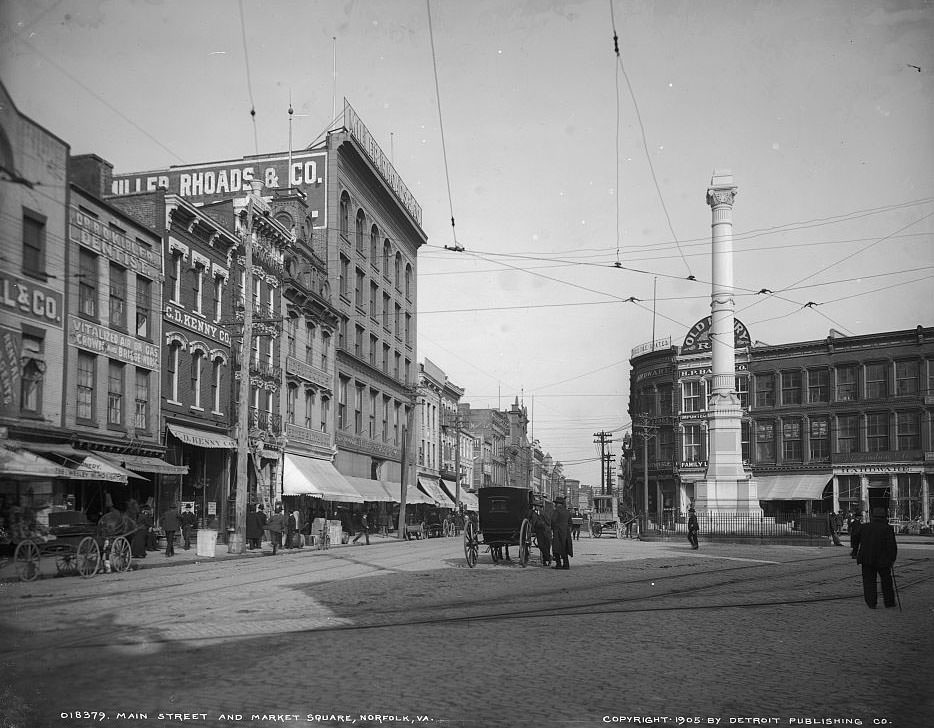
(562, 159)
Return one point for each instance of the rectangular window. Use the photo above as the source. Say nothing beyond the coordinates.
(386, 358)
(846, 383)
(325, 349)
(692, 443)
(33, 244)
(818, 385)
(198, 288)
(692, 396)
(172, 371)
(877, 384)
(342, 334)
(344, 274)
(197, 361)
(86, 376)
(143, 306)
(117, 297)
(664, 399)
(374, 404)
(325, 413)
(374, 350)
(397, 360)
(291, 331)
(175, 277)
(87, 283)
(32, 363)
(386, 401)
(216, 385)
(396, 319)
(291, 401)
(877, 431)
(218, 297)
(744, 429)
(791, 440)
(360, 282)
(373, 298)
(666, 444)
(765, 390)
(309, 408)
(141, 412)
(791, 387)
(765, 442)
(115, 393)
(847, 433)
(908, 430)
(819, 440)
(907, 377)
(309, 343)
(358, 342)
(742, 391)
(358, 409)
(342, 403)
(395, 423)
(386, 311)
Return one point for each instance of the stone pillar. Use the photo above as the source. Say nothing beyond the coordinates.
(727, 487)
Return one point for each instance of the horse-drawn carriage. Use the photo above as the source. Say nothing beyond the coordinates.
(78, 547)
(504, 520)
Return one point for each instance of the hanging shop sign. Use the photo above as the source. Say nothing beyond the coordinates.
(698, 338)
(215, 181)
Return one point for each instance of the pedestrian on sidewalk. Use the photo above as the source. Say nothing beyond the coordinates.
(693, 528)
(363, 528)
(832, 526)
(188, 522)
(289, 530)
(141, 535)
(255, 523)
(275, 525)
(561, 543)
(853, 530)
(170, 526)
(542, 532)
(876, 551)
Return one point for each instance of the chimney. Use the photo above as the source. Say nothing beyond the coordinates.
(92, 173)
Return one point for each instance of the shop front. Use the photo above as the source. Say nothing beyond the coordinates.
(200, 469)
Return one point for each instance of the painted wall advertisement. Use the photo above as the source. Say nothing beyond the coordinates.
(9, 371)
(113, 344)
(216, 181)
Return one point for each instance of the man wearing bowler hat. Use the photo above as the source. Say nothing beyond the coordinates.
(876, 552)
(561, 534)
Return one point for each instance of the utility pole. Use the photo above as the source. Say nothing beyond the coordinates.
(457, 460)
(406, 428)
(608, 469)
(238, 542)
(648, 432)
(602, 439)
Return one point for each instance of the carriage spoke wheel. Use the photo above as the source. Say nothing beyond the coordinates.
(525, 541)
(597, 531)
(121, 555)
(88, 557)
(26, 558)
(471, 545)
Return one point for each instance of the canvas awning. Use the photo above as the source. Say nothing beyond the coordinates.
(200, 438)
(792, 486)
(374, 491)
(311, 476)
(23, 463)
(430, 488)
(105, 469)
(470, 501)
(77, 464)
(145, 464)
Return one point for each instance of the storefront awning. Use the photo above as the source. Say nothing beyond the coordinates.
(470, 501)
(430, 488)
(792, 486)
(311, 476)
(77, 464)
(373, 491)
(199, 438)
(145, 464)
(105, 469)
(22, 463)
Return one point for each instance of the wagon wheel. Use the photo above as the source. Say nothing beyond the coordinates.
(471, 545)
(597, 530)
(619, 530)
(88, 557)
(447, 528)
(121, 555)
(26, 558)
(65, 560)
(525, 541)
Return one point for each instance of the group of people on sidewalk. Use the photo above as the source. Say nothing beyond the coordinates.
(554, 535)
(282, 529)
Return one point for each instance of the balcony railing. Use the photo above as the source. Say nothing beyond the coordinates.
(265, 421)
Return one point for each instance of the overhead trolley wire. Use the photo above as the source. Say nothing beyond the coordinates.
(249, 85)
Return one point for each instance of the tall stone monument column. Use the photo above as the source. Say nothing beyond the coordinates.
(727, 487)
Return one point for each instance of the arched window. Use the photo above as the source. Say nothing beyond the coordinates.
(360, 224)
(408, 280)
(197, 358)
(398, 271)
(374, 245)
(345, 214)
(216, 370)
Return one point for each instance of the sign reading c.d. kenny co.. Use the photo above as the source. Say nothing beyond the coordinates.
(698, 338)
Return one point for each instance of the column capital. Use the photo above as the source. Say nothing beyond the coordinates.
(719, 196)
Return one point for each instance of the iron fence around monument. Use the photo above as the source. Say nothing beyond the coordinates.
(751, 525)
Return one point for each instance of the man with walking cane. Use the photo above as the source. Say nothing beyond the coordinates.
(876, 552)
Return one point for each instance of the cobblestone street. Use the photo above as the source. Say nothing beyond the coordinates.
(406, 631)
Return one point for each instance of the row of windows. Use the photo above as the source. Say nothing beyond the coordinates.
(799, 440)
(118, 406)
(391, 264)
(380, 355)
(374, 415)
(315, 415)
(89, 291)
(313, 347)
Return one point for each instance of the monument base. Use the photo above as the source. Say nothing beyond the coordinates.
(727, 495)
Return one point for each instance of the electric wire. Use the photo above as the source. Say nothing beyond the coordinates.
(249, 83)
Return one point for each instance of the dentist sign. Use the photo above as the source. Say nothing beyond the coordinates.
(215, 181)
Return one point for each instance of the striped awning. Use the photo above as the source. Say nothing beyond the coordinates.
(315, 477)
(792, 486)
(433, 490)
(200, 438)
(145, 464)
(373, 491)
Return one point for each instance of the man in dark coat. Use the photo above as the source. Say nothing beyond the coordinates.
(876, 553)
(542, 535)
(693, 527)
(561, 543)
(170, 525)
(141, 535)
(188, 521)
(276, 525)
(254, 528)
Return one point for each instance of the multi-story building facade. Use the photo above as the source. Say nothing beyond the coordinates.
(837, 424)
(491, 428)
(518, 447)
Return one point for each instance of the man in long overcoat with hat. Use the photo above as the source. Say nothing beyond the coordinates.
(561, 543)
(876, 552)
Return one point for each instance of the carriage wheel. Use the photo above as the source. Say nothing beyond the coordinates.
(26, 558)
(619, 530)
(65, 561)
(121, 555)
(447, 528)
(525, 541)
(471, 545)
(597, 530)
(88, 557)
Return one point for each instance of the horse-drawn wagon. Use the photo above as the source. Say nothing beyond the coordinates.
(503, 520)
